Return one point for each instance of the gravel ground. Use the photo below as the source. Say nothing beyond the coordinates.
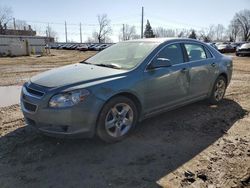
(199, 146)
(15, 71)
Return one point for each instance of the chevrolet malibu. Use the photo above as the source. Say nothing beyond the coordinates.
(107, 94)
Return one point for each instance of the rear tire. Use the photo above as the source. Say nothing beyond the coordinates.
(117, 119)
(219, 90)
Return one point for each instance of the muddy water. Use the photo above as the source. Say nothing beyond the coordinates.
(9, 95)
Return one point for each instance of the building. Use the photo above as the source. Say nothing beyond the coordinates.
(16, 45)
(15, 42)
(25, 32)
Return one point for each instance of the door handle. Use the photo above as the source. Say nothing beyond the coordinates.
(184, 70)
(213, 64)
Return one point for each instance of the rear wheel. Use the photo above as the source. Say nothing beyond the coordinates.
(117, 119)
(219, 90)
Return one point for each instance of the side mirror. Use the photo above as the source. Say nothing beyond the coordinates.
(160, 62)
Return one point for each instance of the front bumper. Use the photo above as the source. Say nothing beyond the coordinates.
(76, 121)
(243, 52)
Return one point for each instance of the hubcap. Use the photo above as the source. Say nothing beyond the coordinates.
(219, 90)
(119, 120)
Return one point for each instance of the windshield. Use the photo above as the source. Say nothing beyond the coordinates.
(245, 45)
(125, 55)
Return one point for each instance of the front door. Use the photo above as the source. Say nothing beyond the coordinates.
(167, 86)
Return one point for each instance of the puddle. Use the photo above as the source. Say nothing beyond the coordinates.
(9, 95)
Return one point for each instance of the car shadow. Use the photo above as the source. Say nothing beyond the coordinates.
(158, 146)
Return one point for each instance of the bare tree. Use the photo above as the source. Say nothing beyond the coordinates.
(242, 18)
(182, 33)
(104, 28)
(162, 32)
(219, 32)
(51, 33)
(233, 30)
(207, 34)
(5, 15)
(127, 32)
(21, 24)
(91, 39)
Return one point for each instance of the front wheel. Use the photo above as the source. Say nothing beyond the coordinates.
(219, 90)
(117, 119)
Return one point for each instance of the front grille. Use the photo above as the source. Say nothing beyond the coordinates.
(30, 107)
(34, 92)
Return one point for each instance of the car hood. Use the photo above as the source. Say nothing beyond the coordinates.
(75, 73)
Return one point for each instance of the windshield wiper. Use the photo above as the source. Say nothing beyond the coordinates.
(114, 66)
(84, 62)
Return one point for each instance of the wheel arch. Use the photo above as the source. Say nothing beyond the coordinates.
(225, 76)
(127, 94)
(132, 97)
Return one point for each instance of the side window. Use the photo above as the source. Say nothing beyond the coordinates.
(172, 52)
(195, 52)
(209, 55)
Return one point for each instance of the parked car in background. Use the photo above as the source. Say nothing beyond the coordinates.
(62, 46)
(82, 47)
(226, 48)
(101, 47)
(93, 46)
(107, 94)
(243, 50)
(213, 45)
(53, 46)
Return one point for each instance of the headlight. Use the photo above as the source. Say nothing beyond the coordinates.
(68, 99)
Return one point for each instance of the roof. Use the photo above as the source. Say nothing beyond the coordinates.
(161, 40)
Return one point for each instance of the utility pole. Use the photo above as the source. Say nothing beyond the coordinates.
(142, 17)
(48, 31)
(66, 37)
(123, 32)
(80, 32)
(14, 22)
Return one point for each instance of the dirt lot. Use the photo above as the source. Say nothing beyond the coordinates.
(17, 70)
(195, 146)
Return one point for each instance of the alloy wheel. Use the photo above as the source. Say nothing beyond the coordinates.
(119, 120)
(220, 89)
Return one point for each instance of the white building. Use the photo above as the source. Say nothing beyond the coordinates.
(16, 45)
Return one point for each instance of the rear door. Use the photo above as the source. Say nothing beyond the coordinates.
(202, 69)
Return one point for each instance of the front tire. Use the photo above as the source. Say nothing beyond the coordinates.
(219, 90)
(117, 119)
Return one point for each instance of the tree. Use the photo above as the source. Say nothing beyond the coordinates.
(104, 28)
(50, 32)
(219, 32)
(192, 35)
(207, 34)
(242, 19)
(5, 15)
(233, 30)
(182, 33)
(21, 24)
(127, 32)
(148, 33)
(162, 32)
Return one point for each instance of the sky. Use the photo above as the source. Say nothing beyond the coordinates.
(170, 14)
